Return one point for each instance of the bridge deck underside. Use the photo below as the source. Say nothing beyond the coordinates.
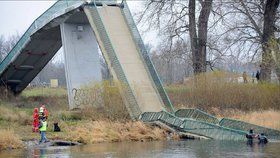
(32, 59)
(37, 52)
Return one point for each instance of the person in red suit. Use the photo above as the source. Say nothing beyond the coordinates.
(35, 120)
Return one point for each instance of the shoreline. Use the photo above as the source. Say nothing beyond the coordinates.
(106, 131)
(87, 132)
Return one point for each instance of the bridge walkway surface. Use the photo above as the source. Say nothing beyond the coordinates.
(114, 34)
(128, 61)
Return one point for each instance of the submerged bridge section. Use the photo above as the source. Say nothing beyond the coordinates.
(199, 123)
(85, 27)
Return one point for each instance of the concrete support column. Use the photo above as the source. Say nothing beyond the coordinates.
(82, 63)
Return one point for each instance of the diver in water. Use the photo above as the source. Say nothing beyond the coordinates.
(250, 137)
(262, 139)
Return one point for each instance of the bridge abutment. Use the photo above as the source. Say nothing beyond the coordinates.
(82, 63)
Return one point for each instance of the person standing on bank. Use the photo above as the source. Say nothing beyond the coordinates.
(244, 75)
(258, 75)
(43, 128)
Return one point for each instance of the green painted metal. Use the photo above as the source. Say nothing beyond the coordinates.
(197, 115)
(146, 58)
(194, 126)
(241, 125)
(58, 9)
(132, 107)
(213, 131)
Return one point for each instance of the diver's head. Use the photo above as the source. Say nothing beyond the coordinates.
(251, 131)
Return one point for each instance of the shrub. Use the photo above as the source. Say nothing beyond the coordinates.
(108, 131)
(9, 140)
(15, 115)
(221, 90)
(111, 105)
(268, 118)
(71, 115)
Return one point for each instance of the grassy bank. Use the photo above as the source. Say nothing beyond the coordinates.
(218, 93)
(109, 123)
(220, 90)
(9, 140)
(267, 118)
(17, 124)
(215, 93)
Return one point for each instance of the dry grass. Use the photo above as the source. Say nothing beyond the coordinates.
(13, 115)
(44, 92)
(9, 140)
(108, 131)
(90, 124)
(268, 118)
(111, 107)
(220, 90)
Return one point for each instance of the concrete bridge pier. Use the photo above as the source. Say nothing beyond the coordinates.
(82, 63)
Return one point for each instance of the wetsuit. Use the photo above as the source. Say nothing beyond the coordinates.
(262, 139)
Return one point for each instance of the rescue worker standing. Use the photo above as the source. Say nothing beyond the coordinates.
(244, 75)
(43, 128)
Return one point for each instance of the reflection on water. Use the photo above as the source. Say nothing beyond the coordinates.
(63, 152)
(189, 149)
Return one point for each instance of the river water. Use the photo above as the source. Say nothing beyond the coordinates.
(168, 149)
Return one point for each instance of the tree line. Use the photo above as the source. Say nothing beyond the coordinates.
(247, 30)
(199, 36)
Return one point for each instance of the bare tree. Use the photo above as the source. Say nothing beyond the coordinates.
(6, 45)
(275, 44)
(2, 41)
(199, 38)
(176, 19)
(269, 29)
(248, 35)
(172, 65)
(51, 71)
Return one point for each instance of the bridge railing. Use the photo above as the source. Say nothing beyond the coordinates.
(245, 126)
(132, 106)
(197, 115)
(146, 58)
(201, 128)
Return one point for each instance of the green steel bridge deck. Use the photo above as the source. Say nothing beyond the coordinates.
(43, 39)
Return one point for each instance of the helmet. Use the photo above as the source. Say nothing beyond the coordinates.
(251, 131)
(35, 110)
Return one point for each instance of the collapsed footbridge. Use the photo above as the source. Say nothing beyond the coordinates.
(84, 27)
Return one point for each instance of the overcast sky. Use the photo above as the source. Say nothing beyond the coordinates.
(17, 16)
